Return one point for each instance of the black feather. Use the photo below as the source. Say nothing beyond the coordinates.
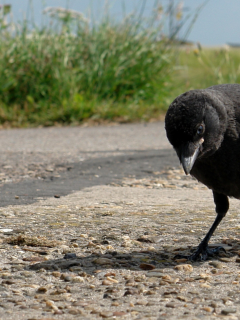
(204, 128)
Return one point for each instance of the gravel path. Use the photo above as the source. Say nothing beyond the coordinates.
(104, 245)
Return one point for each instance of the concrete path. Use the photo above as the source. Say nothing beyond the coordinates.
(43, 162)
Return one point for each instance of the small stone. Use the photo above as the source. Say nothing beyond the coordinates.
(225, 259)
(59, 291)
(34, 259)
(83, 235)
(109, 274)
(75, 311)
(77, 279)
(166, 277)
(75, 245)
(106, 314)
(119, 313)
(6, 230)
(150, 292)
(112, 280)
(42, 290)
(131, 291)
(171, 305)
(226, 311)
(157, 274)
(182, 298)
(214, 271)
(205, 285)
(66, 277)
(181, 260)
(208, 309)
(115, 304)
(151, 248)
(70, 255)
(195, 300)
(8, 282)
(103, 261)
(130, 283)
(76, 269)
(147, 266)
(141, 302)
(80, 303)
(106, 282)
(52, 305)
(213, 304)
(184, 267)
(216, 264)
(65, 249)
(56, 274)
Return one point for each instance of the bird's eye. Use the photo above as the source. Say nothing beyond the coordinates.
(200, 130)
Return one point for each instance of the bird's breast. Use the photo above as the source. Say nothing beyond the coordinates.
(218, 175)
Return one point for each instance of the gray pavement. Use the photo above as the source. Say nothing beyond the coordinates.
(92, 218)
(48, 162)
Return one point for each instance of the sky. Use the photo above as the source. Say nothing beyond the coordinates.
(218, 22)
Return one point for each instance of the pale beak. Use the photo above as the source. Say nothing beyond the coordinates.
(189, 154)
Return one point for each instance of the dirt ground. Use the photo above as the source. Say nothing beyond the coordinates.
(92, 218)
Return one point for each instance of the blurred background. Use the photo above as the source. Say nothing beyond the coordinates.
(72, 62)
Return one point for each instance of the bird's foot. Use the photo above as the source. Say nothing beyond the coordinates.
(202, 253)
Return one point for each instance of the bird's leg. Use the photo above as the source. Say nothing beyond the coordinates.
(203, 252)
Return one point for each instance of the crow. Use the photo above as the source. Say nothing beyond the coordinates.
(203, 127)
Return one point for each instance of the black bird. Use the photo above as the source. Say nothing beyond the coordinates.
(204, 128)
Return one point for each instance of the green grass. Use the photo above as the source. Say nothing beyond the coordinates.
(106, 71)
(202, 68)
(73, 71)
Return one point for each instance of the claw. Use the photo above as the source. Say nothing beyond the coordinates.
(201, 254)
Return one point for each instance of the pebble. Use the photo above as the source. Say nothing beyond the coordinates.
(156, 274)
(141, 302)
(42, 290)
(74, 311)
(216, 264)
(226, 311)
(106, 282)
(224, 259)
(208, 309)
(70, 255)
(119, 313)
(77, 279)
(131, 291)
(171, 305)
(6, 230)
(56, 274)
(65, 249)
(184, 267)
(112, 280)
(80, 303)
(150, 292)
(51, 304)
(66, 277)
(147, 266)
(106, 314)
(103, 261)
(182, 298)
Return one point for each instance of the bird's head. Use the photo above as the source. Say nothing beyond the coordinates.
(195, 125)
